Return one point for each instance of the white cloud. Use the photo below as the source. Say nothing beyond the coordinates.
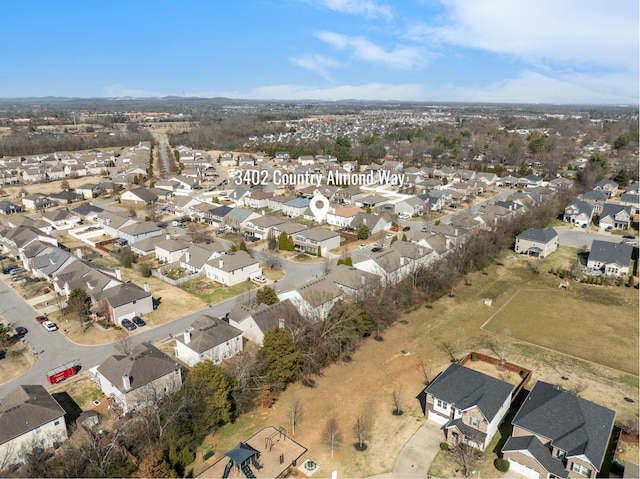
(365, 8)
(579, 31)
(400, 57)
(316, 63)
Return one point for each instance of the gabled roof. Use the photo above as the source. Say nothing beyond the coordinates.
(572, 424)
(122, 294)
(145, 364)
(464, 388)
(581, 207)
(140, 228)
(610, 253)
(612, 209)
(352, 278)
(538, 451)
(538, 235)
(208, 332)
(595, 195)
(232, 262)
(269, 318)
(25, 409)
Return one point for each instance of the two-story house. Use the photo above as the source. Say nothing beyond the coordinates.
(468, 404)
(609, 258)
(556, 433)
(578, 213)
(615, 216)
(537, 242)
(209, 338)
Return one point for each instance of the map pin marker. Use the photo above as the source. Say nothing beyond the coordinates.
(319, 212)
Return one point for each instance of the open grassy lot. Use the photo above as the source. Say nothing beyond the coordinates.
(379, 367)
(210, 292)
(585, 322)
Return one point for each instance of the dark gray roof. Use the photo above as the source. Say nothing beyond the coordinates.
(612, 209)
(145, 194)
(87, 209)
(25, 409)
(630, 198)
(610, 253)
(595, 195)
(269, 318)
(464, 388)
(539, 452)
(467, 430)
(145, 364)
(538, 235)
(208, 332)
(582, 207)
(573, 424)
(121, 294)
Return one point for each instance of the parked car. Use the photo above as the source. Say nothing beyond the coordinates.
(49, 326)
(389, 236)
(9, 269)
(138, 321)
(259, 279)
(16, 271)
(221, 231)
(41, 319)
(629, 237)
(18, 277)
(406, 228)
(122, 242)
(376, 249)
(424, 229)
(252, 239)
(128, 324)
(609, 228)
(21, 331)
(362, 246)
(393, 228)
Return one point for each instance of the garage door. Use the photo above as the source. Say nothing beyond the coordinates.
(522, 469)
(125, 316)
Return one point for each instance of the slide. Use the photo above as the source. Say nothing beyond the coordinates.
(247, 472)
(227, 468)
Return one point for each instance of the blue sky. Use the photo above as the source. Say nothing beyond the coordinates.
(547, 51)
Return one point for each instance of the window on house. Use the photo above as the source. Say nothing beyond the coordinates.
(38, 430)
(580, 469)
(475, 422)
(442, 404)
(56, 422)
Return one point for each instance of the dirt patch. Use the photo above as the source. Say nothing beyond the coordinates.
(19, 359)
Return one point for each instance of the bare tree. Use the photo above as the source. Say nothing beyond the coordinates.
(331, 434)
(272, 261)
(362, 426)
(124, 343)
(500, 345)
(425, 368)
(296, 413)
(466, 457)
(272, 241)
(398, 399)
(452, 349)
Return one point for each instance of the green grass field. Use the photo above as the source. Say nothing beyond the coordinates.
(588, 322)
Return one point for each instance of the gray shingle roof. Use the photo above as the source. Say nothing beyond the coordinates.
(539, 452)
(573, 424)
(122, 294)
(463, 388)
(25, 409)
(610, 253)
(538, 235)
(208, 332)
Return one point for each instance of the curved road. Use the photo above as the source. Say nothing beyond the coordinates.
(55, 349)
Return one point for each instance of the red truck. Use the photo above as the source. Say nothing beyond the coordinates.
(62, 372)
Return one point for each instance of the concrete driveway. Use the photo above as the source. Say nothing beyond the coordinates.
(418, 453)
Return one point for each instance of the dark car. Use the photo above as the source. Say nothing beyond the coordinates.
(376, 249)
(138, 321)
(8, 269)
(128, 324)
(21, 331)
(629, 237)
(252, 239)
(406, 228)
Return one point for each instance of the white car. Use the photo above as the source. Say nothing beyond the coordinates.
(259, 279)
(362, 246)
(389, 235)
(49, 326)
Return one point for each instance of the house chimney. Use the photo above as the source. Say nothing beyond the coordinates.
(167, 236)
(281, 323)
(401, 260)
(187, 336)
(363, 280)
(118, 274)
(79, 253)
(126, 382)
(146, 286)
(221, 264)
(187, 256)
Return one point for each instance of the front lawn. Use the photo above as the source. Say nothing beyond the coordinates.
(211, 292)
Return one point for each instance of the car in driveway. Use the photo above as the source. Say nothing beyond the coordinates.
(406, 228)
(138, 321)
(49, 326)
(259, 279)
(9, 269)
(376, 249)
(128, 324)
(362, 246)
(41, 319)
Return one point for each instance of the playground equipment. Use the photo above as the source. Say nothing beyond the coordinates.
(268, 441)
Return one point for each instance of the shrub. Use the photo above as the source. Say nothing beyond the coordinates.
(145, 270)
(444, 446)
(523, 373)
(474, 357)
(502, 465)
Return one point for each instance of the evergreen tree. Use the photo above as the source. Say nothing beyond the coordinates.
(281, 359)
(267, 295)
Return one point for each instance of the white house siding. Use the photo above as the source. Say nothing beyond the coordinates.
(492, 428)
(518, 468)
(19, 448)
(231, 278)
(215, 354)
(141, 306)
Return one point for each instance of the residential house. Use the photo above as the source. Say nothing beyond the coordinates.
(255, 324)
(138, 231)
(342, 217)
(560, 183)
(123, 301)
(597, 198)
(8, 208)
(232, 269)
(112, 222)
(208, 338)
(530, 181)
(348, 196)
(609, 187)
(238, 217)
(65, 197)
(469, 405)
(30, 419)
(88, 190)
(197, 255)
(556, 433)
(137, 380)
(375, 223)
(257, 199)
(88, 211)
(578, 213)
(309, 240)
(390, 265)
(609, 258)
(412, 206)
(295, 207)
(615, 216)
(170, 250)
(144, 247)
(353, 283)
(314, 299)
(627, 199)
(36, 202)
(537, 242)
(61, 219)
(139, 196)
(262, 225)
(371, 201)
